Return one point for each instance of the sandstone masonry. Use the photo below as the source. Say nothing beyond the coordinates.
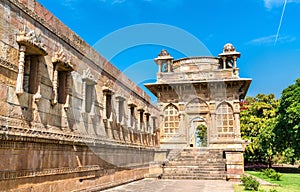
(69, 119)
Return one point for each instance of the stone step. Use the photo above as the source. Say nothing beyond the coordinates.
(220, 177)
(188, 170)
(198, 160)
(196, 164)
(191, 163)
(195, 174)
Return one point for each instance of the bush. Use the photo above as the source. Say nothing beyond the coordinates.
(268, 172)
(271, 173)
(276, 176)
(250, 183)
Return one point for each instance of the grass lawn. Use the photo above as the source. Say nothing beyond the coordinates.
(240, 188)
(290, 182)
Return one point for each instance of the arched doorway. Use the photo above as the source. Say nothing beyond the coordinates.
(198, 132)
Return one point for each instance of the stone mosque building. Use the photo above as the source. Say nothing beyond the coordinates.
(71, 121)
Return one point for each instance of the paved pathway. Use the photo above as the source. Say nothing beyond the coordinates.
(154, 185)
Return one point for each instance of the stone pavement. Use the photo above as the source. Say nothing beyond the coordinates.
(155, 185)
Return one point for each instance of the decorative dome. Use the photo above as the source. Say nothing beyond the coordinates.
(228, 48)
(163, 53)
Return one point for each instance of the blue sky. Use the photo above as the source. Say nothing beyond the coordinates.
(270, 54)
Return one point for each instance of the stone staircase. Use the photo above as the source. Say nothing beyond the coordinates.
(195, 163)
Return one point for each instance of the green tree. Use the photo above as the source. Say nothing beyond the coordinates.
(258, 119)
(202, 135)
(288, 128)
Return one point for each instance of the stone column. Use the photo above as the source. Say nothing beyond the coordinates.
(224, 62)
(20, 78)
(234, 61)
(160, 67)
(169, 66)
(213, 130)
(237, 126)
(119, 102)
(141, 127)
(83, 106)
(92, 113)
(104, 105)
(67, 104)
(129, 117)
(55, 85)
(38, 95)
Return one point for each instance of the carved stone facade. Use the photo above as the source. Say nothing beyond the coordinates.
(69, 119)
(201, 92)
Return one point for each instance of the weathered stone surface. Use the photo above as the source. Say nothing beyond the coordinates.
(201, 95)
(48, 138)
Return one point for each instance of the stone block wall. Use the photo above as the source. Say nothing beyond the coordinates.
(66, 113)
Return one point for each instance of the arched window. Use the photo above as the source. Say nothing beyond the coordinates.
(224, 118)
(171, 119)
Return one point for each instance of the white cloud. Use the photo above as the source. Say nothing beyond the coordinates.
(118, 1)
(267, 40)
(70, 4)
(269, 4)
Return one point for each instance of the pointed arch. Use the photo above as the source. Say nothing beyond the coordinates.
(225, 102)
(171, 119)
(225, 118)
(197, 105)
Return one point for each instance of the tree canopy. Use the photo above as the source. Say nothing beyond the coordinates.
(257, 123)
(287, 130)
(272, 126)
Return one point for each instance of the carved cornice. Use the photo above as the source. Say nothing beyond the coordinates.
(88, 76)
(107, 87)
(62, 61)
(141, 108)
(131, 102)
(32, 41)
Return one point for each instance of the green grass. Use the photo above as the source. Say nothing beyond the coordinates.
(290, 182)
(240, 188)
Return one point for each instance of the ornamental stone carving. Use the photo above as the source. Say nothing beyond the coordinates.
(62, 60)
(30, 44)
(32, 41)
(61, 63)
(88, 95)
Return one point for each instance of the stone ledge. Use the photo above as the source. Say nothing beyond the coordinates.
(7, 175)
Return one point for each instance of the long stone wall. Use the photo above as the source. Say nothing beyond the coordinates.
(68, 117)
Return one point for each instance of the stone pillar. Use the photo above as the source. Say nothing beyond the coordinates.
(141, 127)
(169, 64)
(237, 126)
(104, 105)
(119, 111)
(213, 131)
(234, 61)
(234, 165)
(67, 104)
(92, 113)
(129, 118)
(83, 106)
(55, 85)
(20, 78)
(38, 95)
(224, 62)
(160, 67)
